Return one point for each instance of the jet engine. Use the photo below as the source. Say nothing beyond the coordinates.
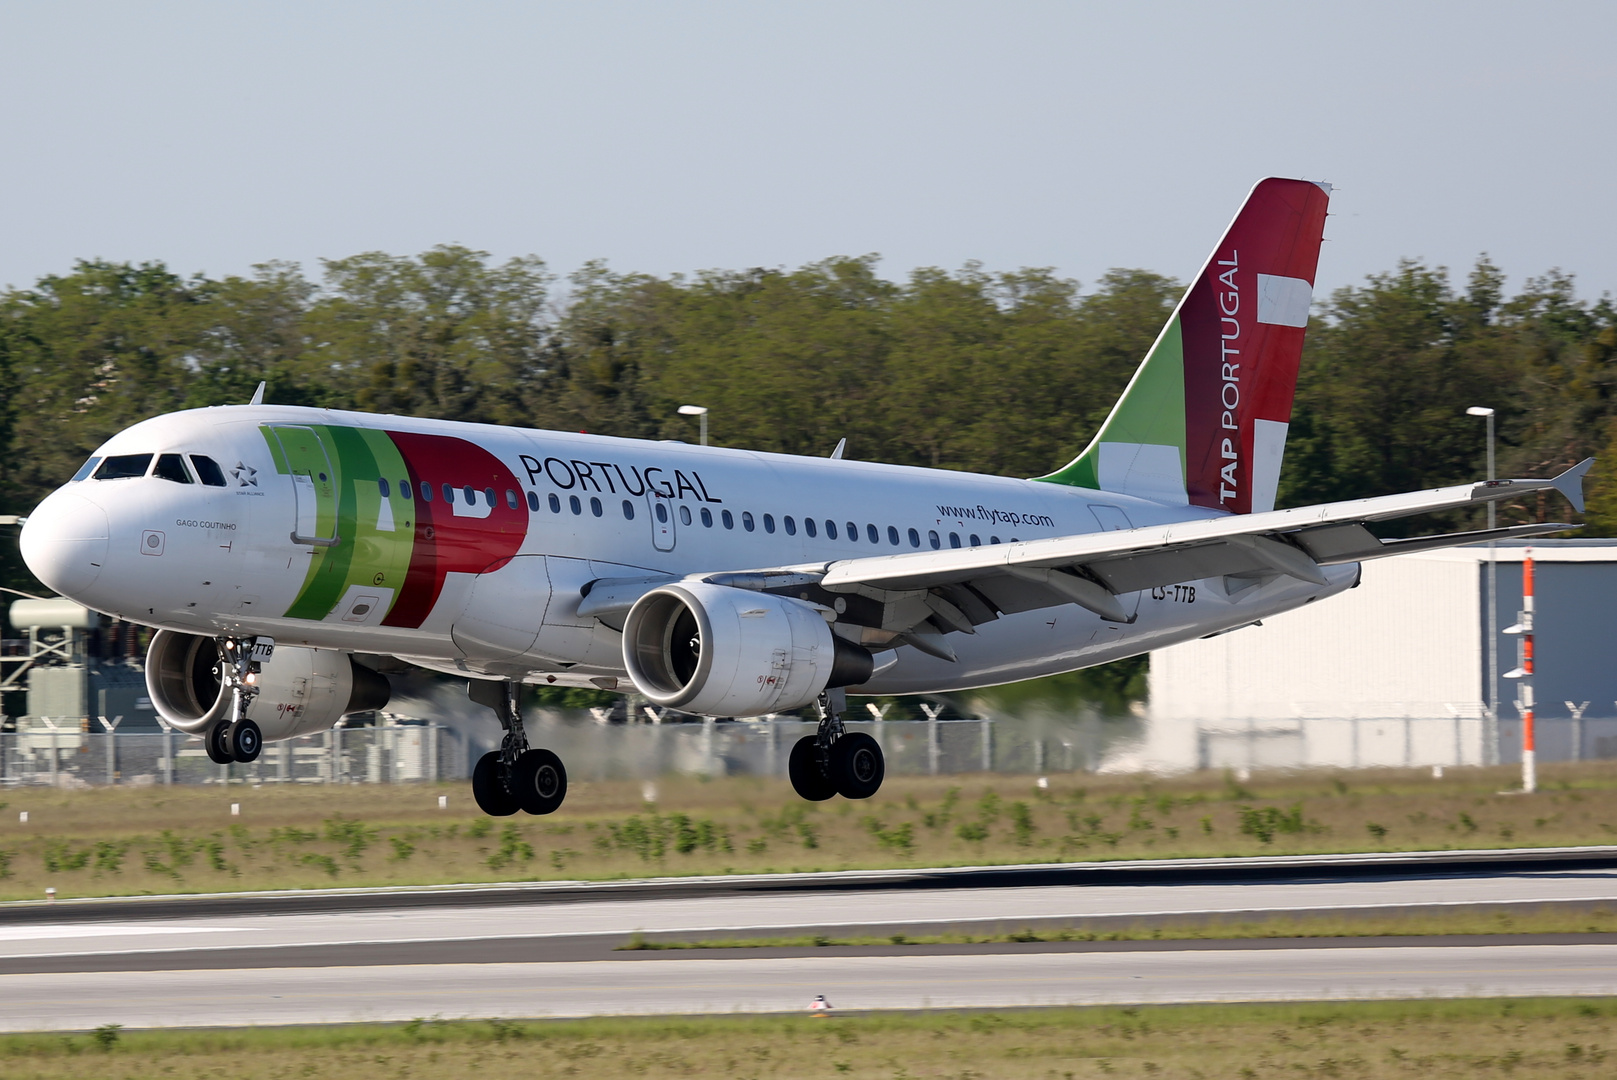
(300, 690)
(722, 651)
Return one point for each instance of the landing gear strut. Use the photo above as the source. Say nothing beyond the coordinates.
(835, 761)
(237, 738)
(514, 777)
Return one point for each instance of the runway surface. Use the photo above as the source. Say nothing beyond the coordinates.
(915, 911)
(268, 996)
(557, 955)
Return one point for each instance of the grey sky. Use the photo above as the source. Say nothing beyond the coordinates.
(671, 137)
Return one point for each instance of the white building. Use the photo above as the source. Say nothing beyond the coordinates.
(1396, 671)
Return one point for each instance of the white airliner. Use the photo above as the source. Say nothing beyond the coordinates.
(277, 548)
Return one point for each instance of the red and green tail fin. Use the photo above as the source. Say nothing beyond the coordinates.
(1204, 419)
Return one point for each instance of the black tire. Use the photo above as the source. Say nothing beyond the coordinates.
(804, 769)
(489, 788)
(217, 741)
(246, 741)
(857, 765)
(539, 782)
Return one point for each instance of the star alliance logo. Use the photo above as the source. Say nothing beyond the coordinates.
(245, 474)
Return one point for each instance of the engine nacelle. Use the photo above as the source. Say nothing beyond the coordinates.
(721, 651)
(300, 690)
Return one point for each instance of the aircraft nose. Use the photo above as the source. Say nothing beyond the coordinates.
(64, 543)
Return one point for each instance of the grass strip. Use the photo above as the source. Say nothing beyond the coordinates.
(1523, 1039)
(1549, 920)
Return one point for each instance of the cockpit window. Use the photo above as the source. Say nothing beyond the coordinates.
(123, 467)
(208, 471)
(172, 467)
(85, 470)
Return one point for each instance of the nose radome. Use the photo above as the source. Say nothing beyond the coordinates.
(64, 543)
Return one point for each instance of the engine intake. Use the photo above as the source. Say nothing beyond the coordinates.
(721, 651)
(300, 690)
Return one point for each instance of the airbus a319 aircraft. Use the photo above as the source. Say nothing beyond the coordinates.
(278, 550)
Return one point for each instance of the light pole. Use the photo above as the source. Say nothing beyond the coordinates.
(701, 410)
(1490, 748)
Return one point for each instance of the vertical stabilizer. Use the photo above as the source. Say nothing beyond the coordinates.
(1204, 419)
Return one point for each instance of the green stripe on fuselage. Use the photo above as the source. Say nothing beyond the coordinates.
(366, 554)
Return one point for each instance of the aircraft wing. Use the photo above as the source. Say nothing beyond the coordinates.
(920, 596)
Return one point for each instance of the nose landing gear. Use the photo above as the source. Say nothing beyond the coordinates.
(834, 761)
(237, 738)
(514, 777)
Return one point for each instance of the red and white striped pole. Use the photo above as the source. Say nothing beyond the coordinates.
(1524, 673)
(1529, 764)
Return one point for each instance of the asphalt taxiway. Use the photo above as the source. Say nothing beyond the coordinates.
(554, 950)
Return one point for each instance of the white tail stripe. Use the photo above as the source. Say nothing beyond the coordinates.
(1268, 448)
(1283, 301)
(1147, 470)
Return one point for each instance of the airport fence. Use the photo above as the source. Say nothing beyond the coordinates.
(409, 753)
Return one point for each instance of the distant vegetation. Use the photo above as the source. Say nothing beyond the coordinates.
(1004, 373)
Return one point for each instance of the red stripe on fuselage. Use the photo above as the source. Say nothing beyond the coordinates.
(444, 542)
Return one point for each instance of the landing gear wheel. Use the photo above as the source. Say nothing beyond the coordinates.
(217, 741)
(538, 781)
(857, 765)
(245, 741)
(488, 787)
(804, 769)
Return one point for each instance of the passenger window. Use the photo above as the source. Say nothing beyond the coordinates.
(954, 540)
(533, 503)
(729, 522)
(426, 491)
(89, 467)
(974, 541)
(853, 531)
(449, 495)
(993, 539)
(595, 506)
(555, 503)
(707, 517)
(932, 538)
(915, 539)
(488, 493)
(208, 471)
(382, 486)
(471, 495)
(872, 535)
(404, 490)
(791, 526)
(628, 510)
(892, 535)
(574, 505)
(124, 467)
(684, 515)
(746, 520)
(769, 523)
(808, 526)
(172, 467)
(830, 529)
(510, 498)
(662, 513)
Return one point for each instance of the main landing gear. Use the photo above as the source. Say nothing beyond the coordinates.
(514, 777)
(834, 761)
(237, 738)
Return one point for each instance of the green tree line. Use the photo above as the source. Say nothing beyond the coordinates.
(998, 372)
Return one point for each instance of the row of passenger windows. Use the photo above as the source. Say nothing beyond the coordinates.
(169, 467)
(789, 524)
